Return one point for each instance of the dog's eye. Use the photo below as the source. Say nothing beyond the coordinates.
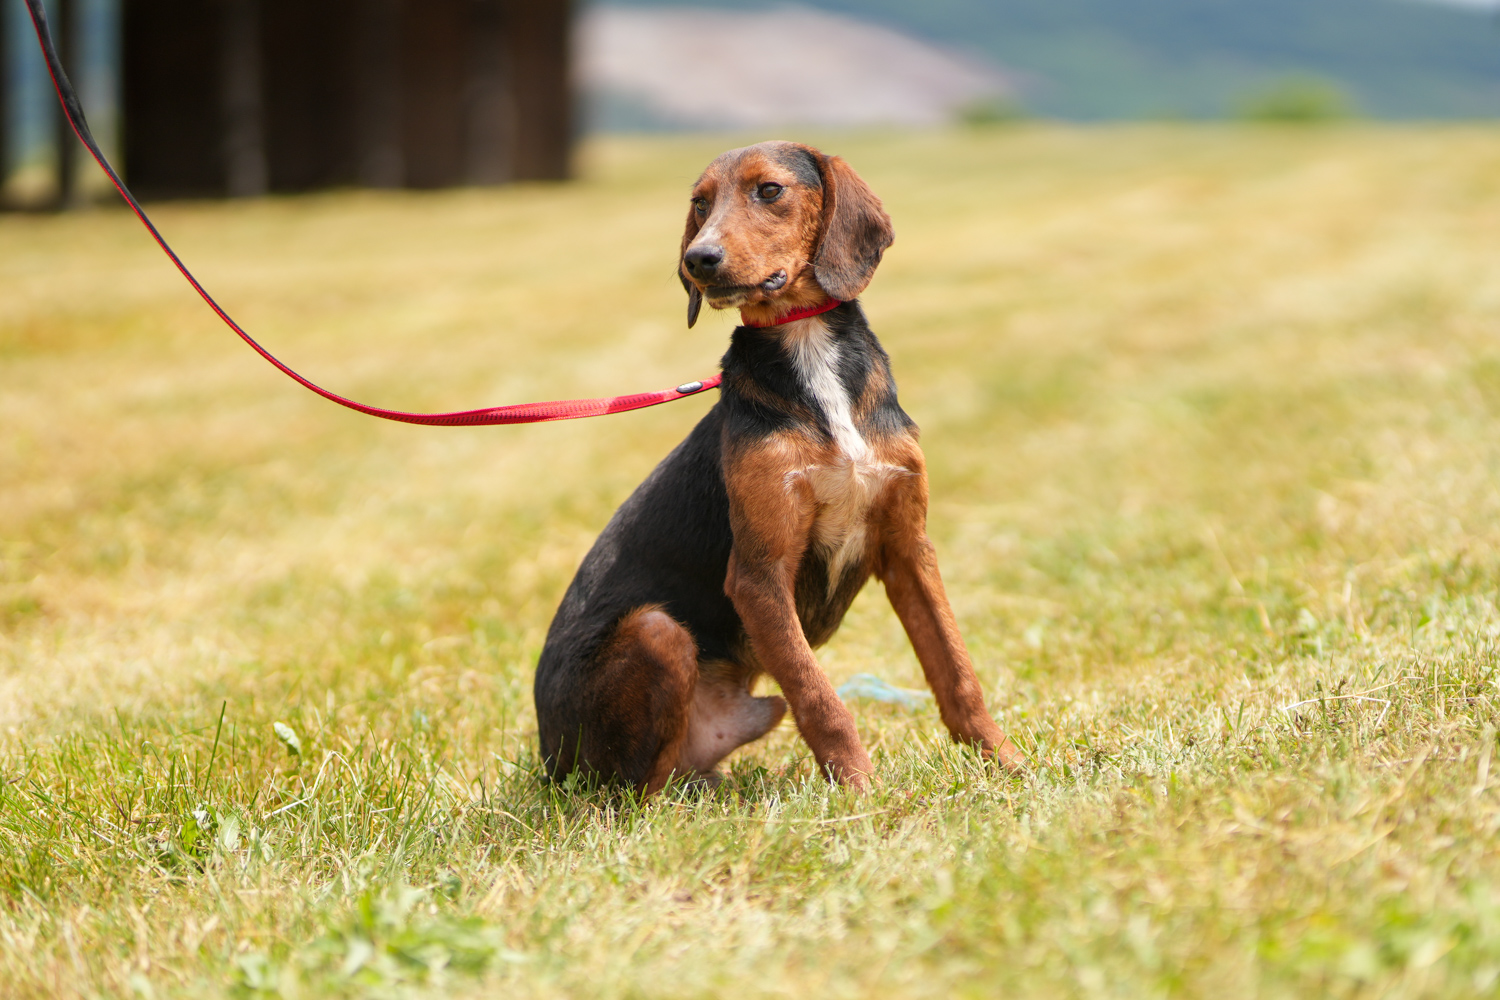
(769, 192)
(700, 205)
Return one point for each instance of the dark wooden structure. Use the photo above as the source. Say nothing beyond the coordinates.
(242, 97)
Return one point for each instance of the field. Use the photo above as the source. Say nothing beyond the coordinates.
(1213, 420)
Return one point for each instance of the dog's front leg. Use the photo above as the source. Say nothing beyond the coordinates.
(762, 594)
(908, 566)
(771, 514)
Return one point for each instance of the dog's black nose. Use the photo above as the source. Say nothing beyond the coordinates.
(703, 261)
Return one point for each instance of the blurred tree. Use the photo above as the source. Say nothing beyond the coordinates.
(992, 111)
(1297, 99)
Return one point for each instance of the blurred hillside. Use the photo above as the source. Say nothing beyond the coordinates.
(665, 68)
(1103, 59)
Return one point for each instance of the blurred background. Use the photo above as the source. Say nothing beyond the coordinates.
(241, 97)
(213, 98)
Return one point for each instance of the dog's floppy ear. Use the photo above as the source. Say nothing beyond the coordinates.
(855, 233)
(695, 297)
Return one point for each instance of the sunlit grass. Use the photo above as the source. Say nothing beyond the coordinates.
(1213, 420)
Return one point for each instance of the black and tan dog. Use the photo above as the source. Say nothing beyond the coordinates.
(745, 547)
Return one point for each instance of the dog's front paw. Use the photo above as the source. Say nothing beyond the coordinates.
(852, 769)
(1006, 754)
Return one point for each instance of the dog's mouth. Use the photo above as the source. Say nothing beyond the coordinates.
(774, 283)
(728, 296)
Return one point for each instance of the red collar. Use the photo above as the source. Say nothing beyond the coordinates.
(806, 312)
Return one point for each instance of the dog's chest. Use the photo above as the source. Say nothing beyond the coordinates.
(848, 486)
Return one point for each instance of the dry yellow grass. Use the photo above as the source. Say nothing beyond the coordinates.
(1212, 421)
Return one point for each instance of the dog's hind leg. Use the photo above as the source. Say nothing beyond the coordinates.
(647, 714)
(635, 704)
(724, 715)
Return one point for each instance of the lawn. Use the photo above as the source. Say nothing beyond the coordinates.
(1213, 422)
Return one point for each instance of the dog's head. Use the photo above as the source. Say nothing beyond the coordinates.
(776, 226)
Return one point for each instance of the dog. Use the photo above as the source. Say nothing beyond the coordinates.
(740, 554)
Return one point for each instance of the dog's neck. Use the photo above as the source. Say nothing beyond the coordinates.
(814, 353)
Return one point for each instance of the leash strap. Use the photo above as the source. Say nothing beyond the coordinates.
(519, 413)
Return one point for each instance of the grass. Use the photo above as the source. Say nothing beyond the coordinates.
(1213, 420)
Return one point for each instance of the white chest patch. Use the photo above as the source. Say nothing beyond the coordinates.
(846, 488)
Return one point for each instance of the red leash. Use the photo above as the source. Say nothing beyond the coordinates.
(519, 413)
